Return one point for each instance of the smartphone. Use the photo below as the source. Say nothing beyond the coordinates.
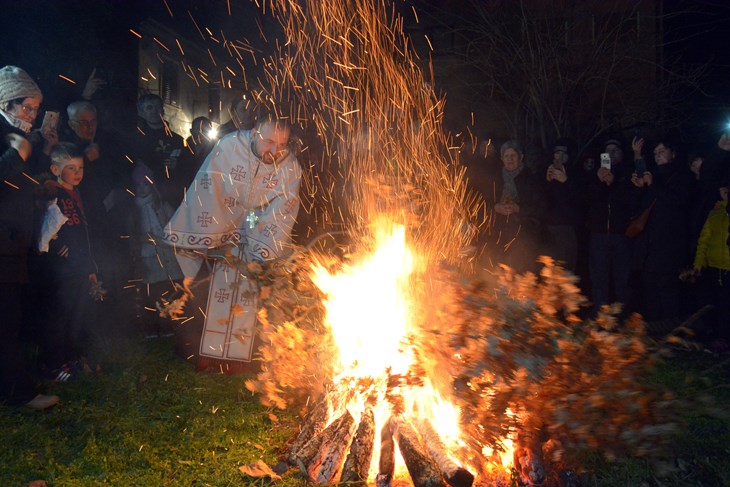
(605, 160)
(50, 122)
(640, 165)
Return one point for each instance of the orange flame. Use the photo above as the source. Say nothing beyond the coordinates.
(370, 306)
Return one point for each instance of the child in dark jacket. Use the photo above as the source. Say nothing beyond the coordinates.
(71, 270)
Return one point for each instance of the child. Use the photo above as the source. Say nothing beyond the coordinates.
(156, 264)
(712, 263)
(71, 270)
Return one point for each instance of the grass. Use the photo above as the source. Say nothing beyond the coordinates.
(151, 420)
(148, 420)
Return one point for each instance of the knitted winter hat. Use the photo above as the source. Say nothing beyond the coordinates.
(16, 83)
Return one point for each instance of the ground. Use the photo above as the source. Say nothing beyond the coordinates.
(150, 420)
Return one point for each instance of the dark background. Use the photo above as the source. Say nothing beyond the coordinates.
(71, 37)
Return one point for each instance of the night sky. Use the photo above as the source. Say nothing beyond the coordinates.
(70, 37)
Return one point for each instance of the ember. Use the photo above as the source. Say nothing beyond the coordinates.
(369, 311)
(416, 371)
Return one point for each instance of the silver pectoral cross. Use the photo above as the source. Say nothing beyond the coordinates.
(252, 219)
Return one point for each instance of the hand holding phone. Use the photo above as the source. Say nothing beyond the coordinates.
(606, 160)
(50, 122)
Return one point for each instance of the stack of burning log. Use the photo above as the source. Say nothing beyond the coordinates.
(343, 450)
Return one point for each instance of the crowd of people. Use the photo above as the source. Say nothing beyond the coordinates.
(96, 226)
(641, 223)
(86, 247)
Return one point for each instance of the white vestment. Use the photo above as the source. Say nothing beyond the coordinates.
(235, 202)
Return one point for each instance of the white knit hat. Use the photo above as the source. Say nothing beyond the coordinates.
(16, 83)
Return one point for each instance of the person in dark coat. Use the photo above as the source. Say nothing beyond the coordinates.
(107, 177)
(610, 205)
(518, 229)
(667, 188)
(20, 100)
(159, 148)
(561, 215)
(243, 116)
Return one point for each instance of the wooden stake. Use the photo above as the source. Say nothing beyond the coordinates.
(455, 475)
(423, 470)
(336, 440)
(357, 464)
(386, 464)
(313, 425)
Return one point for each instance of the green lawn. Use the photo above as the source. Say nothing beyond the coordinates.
(151, 420)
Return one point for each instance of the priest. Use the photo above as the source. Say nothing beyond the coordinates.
(240, 207)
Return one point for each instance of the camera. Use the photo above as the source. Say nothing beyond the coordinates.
(606, 160)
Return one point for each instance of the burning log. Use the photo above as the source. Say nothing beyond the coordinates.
(313, 426)
(357, 463)
(421, 467)
(386, 463)
(455, 475)
(334, 445)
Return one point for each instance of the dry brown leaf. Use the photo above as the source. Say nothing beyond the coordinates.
(259, 470)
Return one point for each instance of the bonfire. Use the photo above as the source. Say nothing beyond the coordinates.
(406, 359)
(473, 380)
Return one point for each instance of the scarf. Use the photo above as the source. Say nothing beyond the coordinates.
(16, 122)
(509, 188)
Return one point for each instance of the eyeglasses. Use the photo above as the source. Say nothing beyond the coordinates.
(85, 123)
(27, 109)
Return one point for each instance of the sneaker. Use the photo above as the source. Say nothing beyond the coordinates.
(42, 401)
(66, 373)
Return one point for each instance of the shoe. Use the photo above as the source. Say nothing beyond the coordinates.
(42, 401)
(68, 371)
